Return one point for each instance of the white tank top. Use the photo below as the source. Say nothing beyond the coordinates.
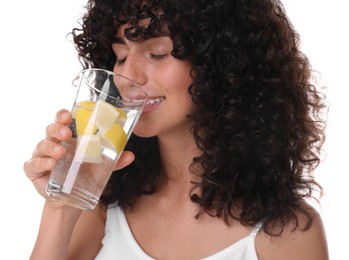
(119, 243)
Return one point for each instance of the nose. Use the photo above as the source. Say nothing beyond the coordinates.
(132, 69)
(128, 88)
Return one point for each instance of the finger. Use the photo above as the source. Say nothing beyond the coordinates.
(58, 132)
(63, 116)
(47, 148)
(37, 167)
(125, 159)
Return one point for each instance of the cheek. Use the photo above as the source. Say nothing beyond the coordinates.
(179, 107)
(176, 73)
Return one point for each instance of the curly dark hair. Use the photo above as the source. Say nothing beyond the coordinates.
(258, 122)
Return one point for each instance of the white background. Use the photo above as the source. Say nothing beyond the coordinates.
(38, 62)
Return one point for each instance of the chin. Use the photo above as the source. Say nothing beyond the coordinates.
(145, 133)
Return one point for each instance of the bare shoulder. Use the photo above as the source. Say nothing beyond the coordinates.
(88, 234)
(298, 244)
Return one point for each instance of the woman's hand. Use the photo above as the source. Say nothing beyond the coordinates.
(49, 150)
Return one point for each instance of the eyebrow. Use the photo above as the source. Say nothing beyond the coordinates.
(119, 40)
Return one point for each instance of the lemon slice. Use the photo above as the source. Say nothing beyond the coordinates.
(83, 123)
(106, 114)
(122, 115)
(89, 149)
(87, 104)
(114, 138)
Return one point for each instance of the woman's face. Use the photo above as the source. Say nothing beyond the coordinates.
(164, 78)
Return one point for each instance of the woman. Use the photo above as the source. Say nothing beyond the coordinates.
(220, 164)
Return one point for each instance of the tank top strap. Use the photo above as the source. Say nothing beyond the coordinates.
(256, 229)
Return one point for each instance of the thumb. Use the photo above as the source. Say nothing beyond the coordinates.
(125, 159)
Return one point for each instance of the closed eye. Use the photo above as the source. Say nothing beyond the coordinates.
(120, 61)
(158, 57)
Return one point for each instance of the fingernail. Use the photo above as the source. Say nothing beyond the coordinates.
(63, 131)
(57, 149)
(49, 162)
(64, 115)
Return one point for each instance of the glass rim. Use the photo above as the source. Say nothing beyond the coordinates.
(109, 72)
(80, 77)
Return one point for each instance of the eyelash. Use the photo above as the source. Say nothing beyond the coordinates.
(120, 62)
(152, 56)
(158, 57)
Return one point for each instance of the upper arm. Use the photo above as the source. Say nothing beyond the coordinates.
(308, 245)
(88, 234)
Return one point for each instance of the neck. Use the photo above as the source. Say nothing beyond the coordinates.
(176, 158)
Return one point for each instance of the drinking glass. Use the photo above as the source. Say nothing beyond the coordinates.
(106, 109)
